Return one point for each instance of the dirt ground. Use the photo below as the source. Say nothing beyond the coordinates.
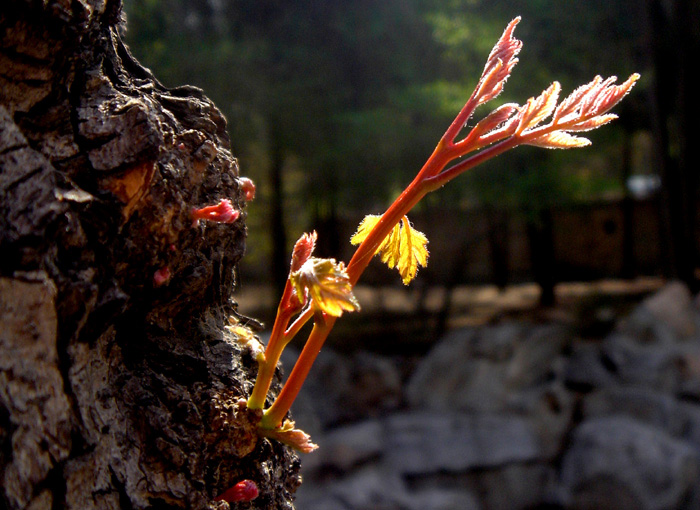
(591, 307)
(470, 304)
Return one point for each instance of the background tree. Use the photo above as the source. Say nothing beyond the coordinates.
(359, 90)
(674, 42)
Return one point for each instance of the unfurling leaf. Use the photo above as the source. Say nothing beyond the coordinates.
(246, 338)
(559, 140)
(593, 123)
(494, 120)
(326, 283)
(287, 434)
(538, 109)
(499, 65)
(404, 247)
(593, 100)
(303, 249)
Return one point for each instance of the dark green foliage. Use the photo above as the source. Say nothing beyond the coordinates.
(334, 105)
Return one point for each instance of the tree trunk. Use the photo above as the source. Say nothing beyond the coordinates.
(542, 257)
(119, 386)
(674, 42)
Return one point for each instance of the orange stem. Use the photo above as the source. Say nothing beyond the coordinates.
(273, 416)
(430, 177)
(278, 341)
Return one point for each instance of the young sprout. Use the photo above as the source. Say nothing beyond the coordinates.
(161, 276)
(245, 490)
(322, 288)
(248, 188)
(223, 212)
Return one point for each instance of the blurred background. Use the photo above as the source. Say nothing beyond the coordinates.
(333, 106)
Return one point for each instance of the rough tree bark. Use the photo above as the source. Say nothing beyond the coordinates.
(117, 390)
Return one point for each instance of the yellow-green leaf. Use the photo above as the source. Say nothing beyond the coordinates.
(327, 284)
(404, 247)
(413, 251)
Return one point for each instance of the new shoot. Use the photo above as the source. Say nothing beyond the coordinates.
(322, 288)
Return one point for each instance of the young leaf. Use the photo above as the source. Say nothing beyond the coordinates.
(303, 249)
(559, 140)
(287, 434)
(389, 247)
(499, 65)
(327, 284)
(593, 123)
(403, 248)
(413, 251)
(538, 109)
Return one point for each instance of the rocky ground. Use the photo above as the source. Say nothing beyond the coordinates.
(514, 415)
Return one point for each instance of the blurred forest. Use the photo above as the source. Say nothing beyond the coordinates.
(333, 106)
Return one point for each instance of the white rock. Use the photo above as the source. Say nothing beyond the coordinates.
(639, 465)
(420, 443)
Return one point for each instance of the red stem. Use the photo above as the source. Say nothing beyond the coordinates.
(439, 180)
(428, 179)
(273, 416)
(278, 341)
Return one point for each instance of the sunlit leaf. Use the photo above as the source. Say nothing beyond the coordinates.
(326, 283)
(559, 140)
(404, 247)
(539, 108)
(246, 338)
(413, 251)
(593, 123)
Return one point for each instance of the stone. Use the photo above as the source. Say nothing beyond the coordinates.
(691, 424)
(443, 499)
(375, 387)
(517, 486)
(369, 488)
(345, 388)
(345, 447)
(534, 356)
(422, 443)
(618, 462)
(465, 371)
(666, 317)
(438, 378)
(585, 369)
(651, 365)
(689, 369)
(645, 405)
(549, 409)
(328, 379)
(480, 370)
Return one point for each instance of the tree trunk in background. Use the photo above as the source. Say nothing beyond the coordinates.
(541, 238)
(674, 45)
(118, 386)
(278, 232)
(498, 245)
(629, 269)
